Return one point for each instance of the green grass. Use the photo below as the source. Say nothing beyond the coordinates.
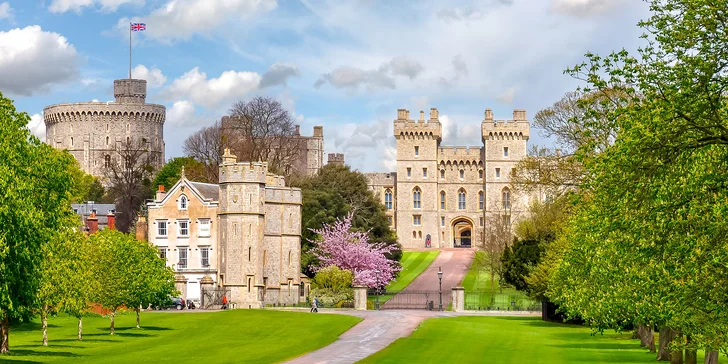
(251, 336)
(507, 340)
(413, 264)
(478, 280)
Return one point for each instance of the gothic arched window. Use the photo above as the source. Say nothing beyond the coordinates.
(107, 161)
(183, 202)
(388, 199)
(481, 201)
(416, 198)
(461, 199)
(506, 197)
(442, 200)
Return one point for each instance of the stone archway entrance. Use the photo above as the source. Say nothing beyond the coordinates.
(462, 233)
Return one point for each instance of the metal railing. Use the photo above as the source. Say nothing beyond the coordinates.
(488, 301)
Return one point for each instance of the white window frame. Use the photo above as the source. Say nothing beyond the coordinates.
(205, 249)
(159, 228)
(179, 257)
(183, 203)
(179, 228)
(200, 231)
(163, 250)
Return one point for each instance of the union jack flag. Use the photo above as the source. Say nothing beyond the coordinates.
(138, 27)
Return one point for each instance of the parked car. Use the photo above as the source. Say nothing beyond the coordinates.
(173, 302)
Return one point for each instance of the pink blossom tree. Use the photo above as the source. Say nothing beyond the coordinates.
(350, 250)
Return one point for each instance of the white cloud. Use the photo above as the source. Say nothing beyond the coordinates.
(5, 10)
(181, 113)
(582, 8)
(382, 77)
(278, 74)
(154, 76)
(507, 96)
(209, 93)
(37, 126)
(25, 58)
(62, 6)
(180, 19)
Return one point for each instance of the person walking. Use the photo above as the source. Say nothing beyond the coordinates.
(224, 302)
(314, 305)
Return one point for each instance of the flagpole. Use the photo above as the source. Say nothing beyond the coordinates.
(130, 50)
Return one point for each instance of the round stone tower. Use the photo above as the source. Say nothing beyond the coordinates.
(93, 131)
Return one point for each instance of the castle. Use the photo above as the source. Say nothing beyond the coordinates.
(452, 193)
(93, 131)
(243, 235)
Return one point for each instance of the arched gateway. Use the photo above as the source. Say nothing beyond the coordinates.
(462, 232)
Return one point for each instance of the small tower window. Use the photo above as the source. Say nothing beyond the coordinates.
(417, 151)
(461, 199)
(388, 199)
(107, 140)
(505, 151)
(416, 198)
(71, 141)
(107, 161)
(497, 173)
(462, 174)
(442, 200)
(442, 174)
(506, 195)
(481, 200)
(409, 172)
(480, 174)
(424, 172)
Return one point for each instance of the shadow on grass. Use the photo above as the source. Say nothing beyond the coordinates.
(82, 341)
(597, 346)
(26, 352)
(144, 328)
(30, 326)
(51, 345)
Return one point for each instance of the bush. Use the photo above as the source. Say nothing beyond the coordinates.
(332, 278)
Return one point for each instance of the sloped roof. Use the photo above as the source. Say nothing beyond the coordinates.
(207, 190)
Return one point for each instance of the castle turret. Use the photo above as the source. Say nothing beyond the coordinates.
(130, 91)
(336, 158)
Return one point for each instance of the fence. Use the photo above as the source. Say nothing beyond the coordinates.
(212, 297)
(407, 299)
(487, 301)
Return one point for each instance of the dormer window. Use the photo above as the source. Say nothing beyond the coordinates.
(182, 203)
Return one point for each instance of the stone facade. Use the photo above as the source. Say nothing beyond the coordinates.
(254, 237)
(91, 131)
(336, 159)
(448, 192)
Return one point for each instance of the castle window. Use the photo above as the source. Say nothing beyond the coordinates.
(250, 284)
(461, 199)
(442, 200)
(388, 199)
(506, 199)
(205, 256)
(442, 174)
(128, 141)
(107, 140)
(462, 174)
(414, 234)
(505, 152)
(71, 141)
(183, 228)
(481, 201)
(182, 204)
(442, 221)
(417, 151)
(107, 161)
(250, 253)
(419, 234)
(163, 253)
(409, 172)
(497, 173)
(480, 173)
(424, 172)
(416, 220)
(182, 258)
(507, 221)
(204, 230)
(289, 260)
(416, 198)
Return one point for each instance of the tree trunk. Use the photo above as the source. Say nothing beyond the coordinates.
(4, 343)
(691, 356)
(711, 357)
(665, 339)
(676, 357)
(112, 322)
(651, 339)
(137, 312)
(80, 328)
(44, 324)
(642, 335)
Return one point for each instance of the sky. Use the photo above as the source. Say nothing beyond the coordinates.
(345, 65)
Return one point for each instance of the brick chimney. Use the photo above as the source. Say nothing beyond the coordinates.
(111, 220)
(92, 223)
(160, 193)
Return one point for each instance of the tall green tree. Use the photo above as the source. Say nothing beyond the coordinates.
(171, 172)
(332, 194)
(35, 192)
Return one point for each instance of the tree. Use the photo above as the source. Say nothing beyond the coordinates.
(88, 188)
(497, 236)
(36, 184)
(207, 146)
(64, 273)
(519, 260)
(77, 296)
(172, 170)
(129, 174)
(334, 193)
(127, 273)
(261, 129)
(350, 250)
(332, 285)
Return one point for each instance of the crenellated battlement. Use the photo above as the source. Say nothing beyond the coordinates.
(405, 127)
(233, 171)
(514, 129)
(458, 154)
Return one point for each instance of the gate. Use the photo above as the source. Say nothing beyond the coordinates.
(409, 300)
(212, 297)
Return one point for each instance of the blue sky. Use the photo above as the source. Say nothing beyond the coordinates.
(346, 65)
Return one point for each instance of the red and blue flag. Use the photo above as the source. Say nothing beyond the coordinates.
(138, 27)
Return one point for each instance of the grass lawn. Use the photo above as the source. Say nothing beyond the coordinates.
(505, 340)
(251, 336)
(413, 264)
(478, 294)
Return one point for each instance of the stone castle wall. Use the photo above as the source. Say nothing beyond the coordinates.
(91, 131)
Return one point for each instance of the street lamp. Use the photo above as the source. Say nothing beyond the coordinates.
(439, 276)
(376, 298)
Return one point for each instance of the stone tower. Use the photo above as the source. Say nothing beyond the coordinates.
(336, 159)
(92, 131)
(417, 148)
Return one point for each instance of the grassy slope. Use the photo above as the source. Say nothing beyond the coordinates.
(507, 340)
(478, 279)
(413, 264)
(235, 336)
